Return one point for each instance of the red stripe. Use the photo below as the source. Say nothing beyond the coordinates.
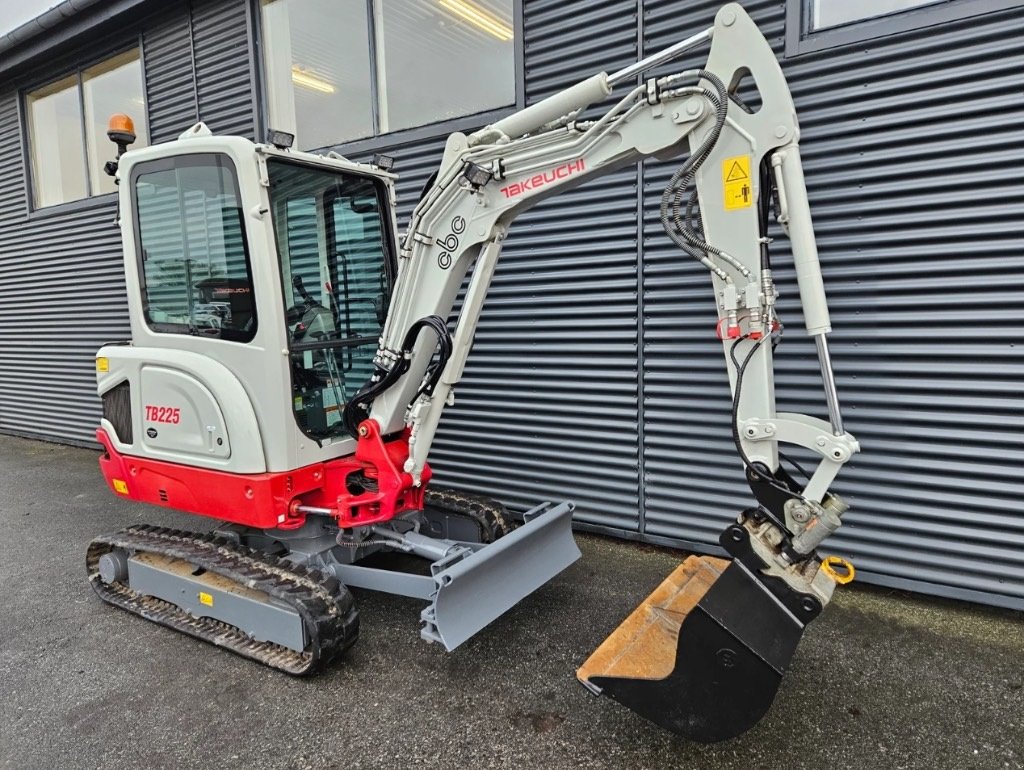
(268, 500)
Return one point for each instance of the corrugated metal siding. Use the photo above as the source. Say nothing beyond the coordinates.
(222, 43)
(920, 233)
(62, 292)
(547, 409)
(915, 189)
(922, 236)
(170, 92)
(60, 298)
(920, 242)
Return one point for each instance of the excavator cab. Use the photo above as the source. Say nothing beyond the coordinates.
(237, 249)
(335, 252)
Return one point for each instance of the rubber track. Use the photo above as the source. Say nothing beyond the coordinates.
(325, 606)
(491, 516)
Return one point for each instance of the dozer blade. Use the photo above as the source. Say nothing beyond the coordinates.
(479, 588)
(702, 656)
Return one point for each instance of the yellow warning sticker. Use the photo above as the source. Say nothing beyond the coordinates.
(205, 598)
(120, 487)
(736, 182)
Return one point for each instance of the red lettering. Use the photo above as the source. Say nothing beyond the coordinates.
(540, 180)
(168, 414)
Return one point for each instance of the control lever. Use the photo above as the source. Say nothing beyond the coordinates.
(301, 289)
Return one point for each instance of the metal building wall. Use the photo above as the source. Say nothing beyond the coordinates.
(62, 292)
(914, 187)
(548, 406)
(920, 237)
(920, 230)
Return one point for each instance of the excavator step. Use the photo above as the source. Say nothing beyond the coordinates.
(285, 616)
(702, 656)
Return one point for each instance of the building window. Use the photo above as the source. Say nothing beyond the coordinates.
(814, 25)
(192, 248)
(833, 13)
(67, 128)
(342, 71)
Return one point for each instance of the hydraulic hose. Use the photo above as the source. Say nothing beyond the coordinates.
(382, 379)
(678, 228)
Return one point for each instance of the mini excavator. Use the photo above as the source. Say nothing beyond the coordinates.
(291, 356)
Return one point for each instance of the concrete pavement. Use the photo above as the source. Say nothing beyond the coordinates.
(882, 680)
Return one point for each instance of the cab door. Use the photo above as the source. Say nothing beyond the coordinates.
(197, 292)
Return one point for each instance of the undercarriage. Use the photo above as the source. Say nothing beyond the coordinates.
(281, 596)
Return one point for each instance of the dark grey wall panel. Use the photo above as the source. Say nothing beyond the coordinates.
(919, 209)
(170, 78)
(548, 405)
(548, 409)
(919, 217)
(61, 297)
(223, 43)
(62, 291)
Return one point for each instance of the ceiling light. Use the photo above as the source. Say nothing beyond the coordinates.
(479, 18)
(307, 79)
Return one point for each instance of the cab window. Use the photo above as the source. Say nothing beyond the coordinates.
(336, 265)
(195, 272)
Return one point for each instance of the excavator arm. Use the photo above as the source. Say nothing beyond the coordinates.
(743, 161)
(738, 157)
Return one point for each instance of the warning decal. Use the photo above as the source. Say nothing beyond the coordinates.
(736, 183)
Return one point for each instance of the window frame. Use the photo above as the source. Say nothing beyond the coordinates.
(414, 133)
(390, 269)
(801, 39)
(174, 162)
(390, 250)
(90, 200)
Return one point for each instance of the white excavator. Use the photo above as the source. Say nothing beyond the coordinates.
(291, 357)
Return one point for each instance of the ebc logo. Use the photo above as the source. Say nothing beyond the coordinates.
(537, 181)
(450, 243)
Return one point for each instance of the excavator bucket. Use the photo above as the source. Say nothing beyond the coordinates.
(702, 656)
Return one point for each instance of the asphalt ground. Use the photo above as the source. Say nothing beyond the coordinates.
(882, 680)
